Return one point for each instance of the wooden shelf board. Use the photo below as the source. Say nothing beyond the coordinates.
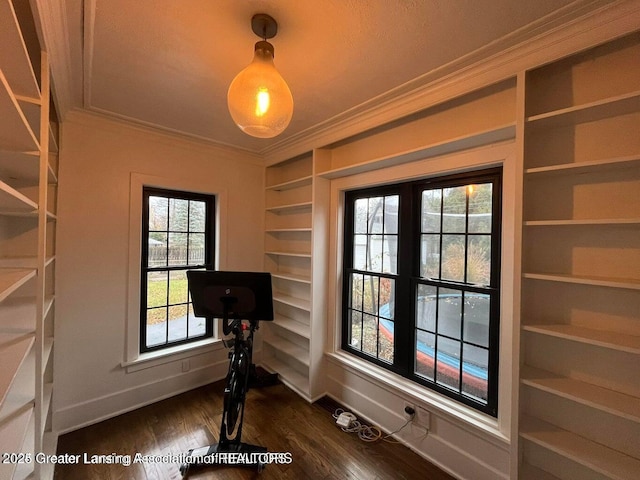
(48, 303)
(15, 133)
(12, 355)
(631, 284)
(12, 202)
(288, 375)
(22, 166)
(476, 139)
(292, 325)
(24, 262)
(588, 112)
(22, 394)
(13, 278)
(293, 207)
(12, 435)
(291, 277)
(18, 315)
(288, 230)
(14, 58)
(47, 349)
(583, 222)
(291, 349)
(603, 399)
(600, 338)
(53, 176)
(529, 472)
(47, 397)
(597, 457)
(292, 301)
(289, 254)
(629, 161)
(26, 471)
(291, 184)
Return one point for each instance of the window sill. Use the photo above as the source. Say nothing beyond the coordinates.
(462, 416)
(172, 354)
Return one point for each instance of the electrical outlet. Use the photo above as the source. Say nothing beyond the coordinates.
(408, 409)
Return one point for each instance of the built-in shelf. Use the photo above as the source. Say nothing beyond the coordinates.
(288, 375)
(21, 396)
(28, 166)
(293, 207)
(626, 283)
(289, 254)
(23, 262)
(18, 315)
(14, 59)
(588, 112)
(630, 161)
(32, 115)
(292, 325)
(579, 416)
(585, 222)
(12, 202)
(294, 351)
(47, 398)
(601, 338)
(22, 167)
(594, 456)
(15, 133)
(291, 184)
(12, 435)
(13, 278)
(292, 277)
(292, 301)
(13, 353)
(288, 230)
(529, 472)
(609, 401)
(476, 139)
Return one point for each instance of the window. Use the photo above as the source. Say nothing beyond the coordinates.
(421, 282)
(177, 235)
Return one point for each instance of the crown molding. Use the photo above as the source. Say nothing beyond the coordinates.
(51, 23)
(578, 26)
(109, 121)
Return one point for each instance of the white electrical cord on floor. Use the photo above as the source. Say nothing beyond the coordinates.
(367, 433)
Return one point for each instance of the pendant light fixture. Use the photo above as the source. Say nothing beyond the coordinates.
(259, 99)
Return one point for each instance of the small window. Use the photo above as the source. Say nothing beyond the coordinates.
(421, 282)
(177, 236)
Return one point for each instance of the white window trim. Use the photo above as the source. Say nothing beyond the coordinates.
(502, 154)
(133, 359)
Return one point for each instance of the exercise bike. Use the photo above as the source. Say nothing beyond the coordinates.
(242, 296)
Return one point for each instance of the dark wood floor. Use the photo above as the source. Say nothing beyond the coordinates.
(275, 417)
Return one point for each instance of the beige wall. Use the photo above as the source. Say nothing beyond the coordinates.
(97, 160)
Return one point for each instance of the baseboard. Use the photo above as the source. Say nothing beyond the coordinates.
(449, 456)
(83, 414)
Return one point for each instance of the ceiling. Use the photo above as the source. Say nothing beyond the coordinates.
(168, 64)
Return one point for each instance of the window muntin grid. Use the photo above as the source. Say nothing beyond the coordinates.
(177, 236)
(439, 325)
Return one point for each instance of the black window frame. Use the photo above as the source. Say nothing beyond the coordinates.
(408, 278)
(209, 261)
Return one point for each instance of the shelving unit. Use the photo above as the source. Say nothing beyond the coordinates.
(581, 264)
(292, 218)
(28, 165)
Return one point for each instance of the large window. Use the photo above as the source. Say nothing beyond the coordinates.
(177, 235)
(421, 282)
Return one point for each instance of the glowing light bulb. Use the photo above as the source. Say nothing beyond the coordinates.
(259, 99)
(262, 102)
